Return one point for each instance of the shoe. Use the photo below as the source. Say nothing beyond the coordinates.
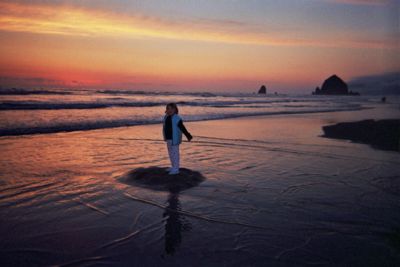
(173, 172)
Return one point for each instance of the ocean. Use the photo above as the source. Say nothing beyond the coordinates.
(51, 111)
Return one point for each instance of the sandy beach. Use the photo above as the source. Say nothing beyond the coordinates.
(275, 193)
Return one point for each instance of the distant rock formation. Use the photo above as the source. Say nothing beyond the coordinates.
(263, 90)
(334, 86)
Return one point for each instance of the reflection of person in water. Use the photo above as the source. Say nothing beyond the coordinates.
(175, 224)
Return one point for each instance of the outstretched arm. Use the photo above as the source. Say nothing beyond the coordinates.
(184, 131)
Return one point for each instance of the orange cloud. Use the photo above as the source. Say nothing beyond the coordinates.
(68, 20)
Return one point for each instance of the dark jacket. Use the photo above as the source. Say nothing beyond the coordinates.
(168, 129)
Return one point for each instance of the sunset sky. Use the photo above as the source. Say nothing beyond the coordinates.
(230, 45)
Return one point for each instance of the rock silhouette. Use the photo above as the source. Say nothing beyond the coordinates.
(382, 134)
(262, 90)
(157, 178)
(334, 85)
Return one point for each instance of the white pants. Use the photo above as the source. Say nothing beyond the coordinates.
(173, 152)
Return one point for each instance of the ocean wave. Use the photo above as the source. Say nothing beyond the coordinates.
(44, 129)
(21, 91)
(130, 92)
(85, 126)
(121, 102)
(11, 105)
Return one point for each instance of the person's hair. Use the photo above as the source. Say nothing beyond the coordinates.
(174, 106)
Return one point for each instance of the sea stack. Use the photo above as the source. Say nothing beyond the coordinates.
(263, 90)
(334, 86)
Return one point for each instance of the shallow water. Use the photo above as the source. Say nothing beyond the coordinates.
(275, 194)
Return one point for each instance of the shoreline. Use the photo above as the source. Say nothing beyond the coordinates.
(94, 126)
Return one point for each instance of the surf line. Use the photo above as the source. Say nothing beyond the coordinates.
(191, 214)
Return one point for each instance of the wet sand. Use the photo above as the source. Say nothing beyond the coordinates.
(275, 193)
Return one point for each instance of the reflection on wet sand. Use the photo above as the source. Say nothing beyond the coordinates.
(157, 178)
(175, 224)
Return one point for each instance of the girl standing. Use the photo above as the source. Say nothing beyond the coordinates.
(172, 131)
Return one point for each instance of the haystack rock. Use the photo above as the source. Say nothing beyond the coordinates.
(334, 86)
(263, 90)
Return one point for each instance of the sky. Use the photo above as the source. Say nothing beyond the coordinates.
(196, 45)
